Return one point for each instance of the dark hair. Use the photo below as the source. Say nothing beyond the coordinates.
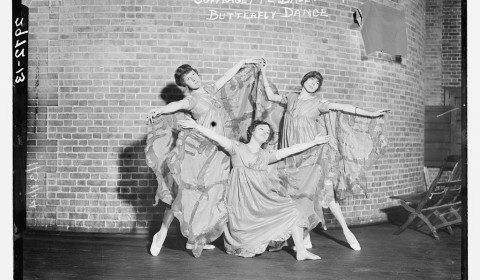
(181, 71)
(313, 74)
(252, 127)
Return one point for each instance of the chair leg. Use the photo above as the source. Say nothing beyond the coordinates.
(407, 207)
(450, 230)
(455, 213)
(443, 218)
(430, 226)
(411, 217)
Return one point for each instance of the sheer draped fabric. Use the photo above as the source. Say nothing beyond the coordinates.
(191, 170)
(328, 172)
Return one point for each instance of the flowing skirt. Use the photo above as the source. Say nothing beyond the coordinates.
(258, 214)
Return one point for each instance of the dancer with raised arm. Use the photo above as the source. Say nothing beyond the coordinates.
(191, 172)
(313, 176)
(258, 211)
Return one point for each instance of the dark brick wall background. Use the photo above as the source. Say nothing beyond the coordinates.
(443, 67)
(96, 68)
(443, 49)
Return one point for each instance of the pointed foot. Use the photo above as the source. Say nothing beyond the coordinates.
(156, 245)
(352, 241)
(306, 255)
(205, 247)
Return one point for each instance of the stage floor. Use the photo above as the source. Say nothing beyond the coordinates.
(410, 255)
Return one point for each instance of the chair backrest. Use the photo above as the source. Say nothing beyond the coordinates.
(451, 163)
(426, 176)
(456, 172)
(441, 193)
(445, 193)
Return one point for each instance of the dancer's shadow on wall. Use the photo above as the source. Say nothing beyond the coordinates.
(137, 185)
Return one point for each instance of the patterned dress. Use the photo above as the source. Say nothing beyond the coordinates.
(309, 175)
(191, 170)
(330, 171)
(196, 171)
(259, 214)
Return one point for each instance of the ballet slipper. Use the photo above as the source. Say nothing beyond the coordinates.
(206, 247)
(352, 241)
(275, 249)
(306, 255)
(306, 247)
(154, 248)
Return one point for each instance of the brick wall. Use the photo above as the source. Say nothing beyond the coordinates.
(433, 53)
(443, 49)
(451, 44)
(96, 68)
(443, 61)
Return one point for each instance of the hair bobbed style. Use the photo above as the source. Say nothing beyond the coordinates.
(313, 74)
(252, 127)
(181, 71)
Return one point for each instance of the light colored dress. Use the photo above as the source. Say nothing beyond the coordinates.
(191, 170)
(309, 176)
(330, 171)
(198, 172)
(206, 109)
(259, 213)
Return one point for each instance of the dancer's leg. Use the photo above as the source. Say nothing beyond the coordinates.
(160, 236)
(302, 253)
(307, 242)
(337, 212)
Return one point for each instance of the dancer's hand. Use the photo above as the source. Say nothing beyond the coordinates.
(263, 65)
(322, 139)
(254, 60)
(157, 199)
(188, 123)
(380, 113)
(153, 113)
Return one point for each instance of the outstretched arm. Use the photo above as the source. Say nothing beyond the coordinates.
(167, 109)
(268, 90)
(231, 72)
(285, 152)
(355, 110)
(221, 140)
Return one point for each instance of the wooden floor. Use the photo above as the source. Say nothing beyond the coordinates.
(411, 255)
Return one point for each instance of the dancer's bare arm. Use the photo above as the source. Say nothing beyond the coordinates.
(232, 71)
(355, 110)
(285, 152)
(268, 90)
(221, 140)
(167, 109)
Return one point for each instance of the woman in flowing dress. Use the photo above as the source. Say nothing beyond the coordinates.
(312, 176)
(259, 213)
(193, 184)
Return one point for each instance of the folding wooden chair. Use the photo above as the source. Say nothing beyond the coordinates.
(440, 205)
